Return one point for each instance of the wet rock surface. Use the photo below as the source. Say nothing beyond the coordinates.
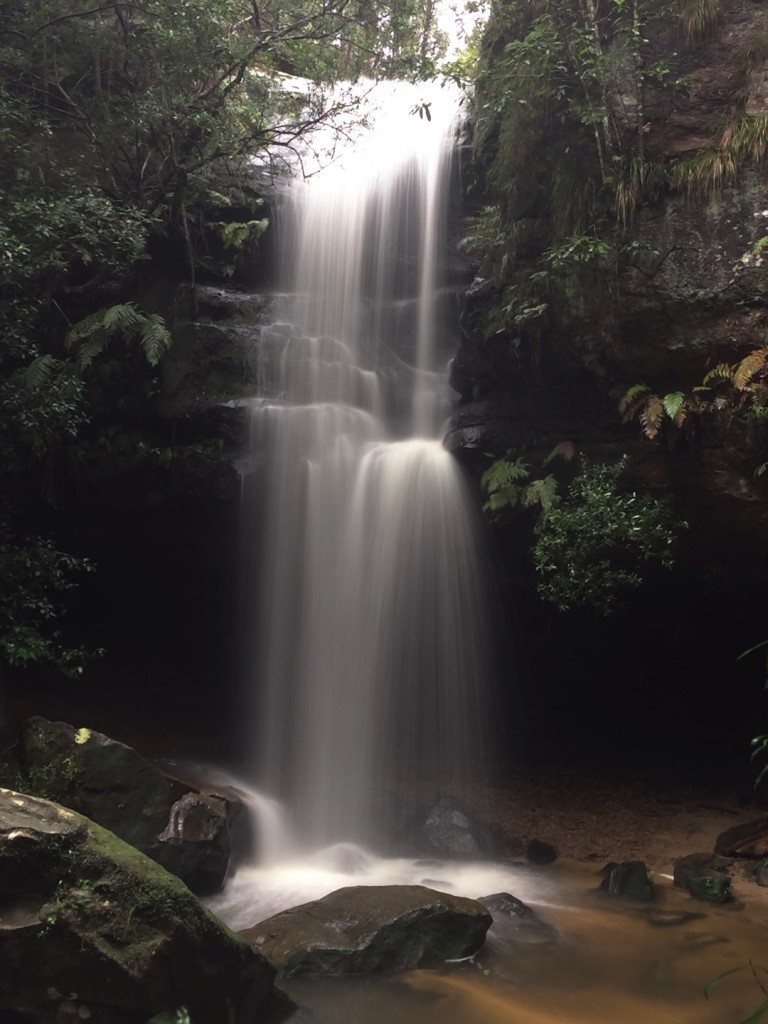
(705, 876)
(93, 929)
(629, 878)
(188, 832)
(747, 840)
(371, 929)
(515, 920)
(450, 830)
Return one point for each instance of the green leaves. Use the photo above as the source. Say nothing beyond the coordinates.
(502, 483)
(88, 338)
(590, 547)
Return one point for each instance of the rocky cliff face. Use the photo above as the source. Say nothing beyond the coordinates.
(620, 192)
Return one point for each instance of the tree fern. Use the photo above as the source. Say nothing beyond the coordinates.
(90, 336)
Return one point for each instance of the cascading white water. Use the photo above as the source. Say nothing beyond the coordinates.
(372, 646)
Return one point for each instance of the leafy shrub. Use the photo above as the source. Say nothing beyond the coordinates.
(591, 546)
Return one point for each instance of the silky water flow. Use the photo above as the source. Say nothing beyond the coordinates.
(373, 639)
(371, 629)
(373, 648)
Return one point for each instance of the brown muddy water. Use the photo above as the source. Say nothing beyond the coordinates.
(613, 961)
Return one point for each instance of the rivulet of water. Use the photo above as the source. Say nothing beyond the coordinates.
(371, 633)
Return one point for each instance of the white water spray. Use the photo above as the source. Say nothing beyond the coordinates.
(372, 647)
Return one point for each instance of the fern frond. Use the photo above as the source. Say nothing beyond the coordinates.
(652, 416)
(155, 338)
(90, 336)
(629, 403)
(673, 403)
(748, 367)
(720, 372)
(565, 450)
(41, 370)
(91, 347)
(122, 319)
(503, 498)
(542, 492)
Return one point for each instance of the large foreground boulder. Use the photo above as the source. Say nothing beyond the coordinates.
(364, 929)
(186, 831)
(93, 929)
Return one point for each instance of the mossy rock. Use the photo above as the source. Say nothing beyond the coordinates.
(113, 785)
(89, 921)
(705, 876)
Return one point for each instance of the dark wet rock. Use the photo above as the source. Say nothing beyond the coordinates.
(629, 878)
(449, 829)
(705, 876)
(513, 919)
(539, 852)
(90, 926)
(368, 929)
(113, 785)
(747, 840)
(761, 872)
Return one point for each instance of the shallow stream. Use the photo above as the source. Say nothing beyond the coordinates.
(610, 960)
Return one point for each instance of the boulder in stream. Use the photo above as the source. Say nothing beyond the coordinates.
(515, 921)
(747, 840)
(628, 878)
(705, 876)
(365, 929)
(186, 831)
(91, 929)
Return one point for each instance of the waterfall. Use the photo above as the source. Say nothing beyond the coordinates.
(372, 638)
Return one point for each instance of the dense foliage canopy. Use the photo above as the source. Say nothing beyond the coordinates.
(123, 125)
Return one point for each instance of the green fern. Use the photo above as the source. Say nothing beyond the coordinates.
(234, 234)
(542, 492)
(720, 372)
(41, 371)
(90, 336)
(502, 483)
(673, 403)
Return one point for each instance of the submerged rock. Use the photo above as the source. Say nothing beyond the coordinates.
(539, 852)
(366, 929)
(629, 878)
(515, 920)
(705, 876)
(113, 785)
(90, 927)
